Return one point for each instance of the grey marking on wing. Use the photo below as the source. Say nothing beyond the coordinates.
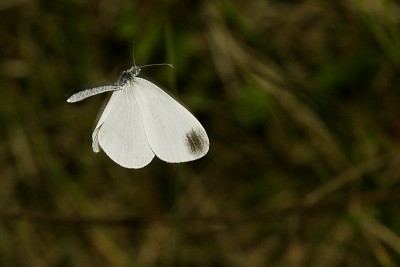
(195, 142)
(90, 92)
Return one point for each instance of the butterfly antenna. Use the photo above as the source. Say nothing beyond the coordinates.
(133, 52)
(158, 64)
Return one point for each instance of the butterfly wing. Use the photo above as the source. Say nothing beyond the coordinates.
(120, 131)
(173, 133)
(79, 96)
(111, 103)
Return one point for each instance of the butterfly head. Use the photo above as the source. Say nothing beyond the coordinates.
(128, 75)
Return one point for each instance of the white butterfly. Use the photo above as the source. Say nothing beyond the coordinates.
(141, 120)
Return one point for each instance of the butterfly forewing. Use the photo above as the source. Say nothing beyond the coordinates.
(173, 133)
(120, 131)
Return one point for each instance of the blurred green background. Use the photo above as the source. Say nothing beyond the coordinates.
(301, 103)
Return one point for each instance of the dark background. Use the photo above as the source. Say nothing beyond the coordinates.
(301, 103)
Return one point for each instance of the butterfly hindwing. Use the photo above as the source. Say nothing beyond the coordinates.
(103, 116)
(120, 131)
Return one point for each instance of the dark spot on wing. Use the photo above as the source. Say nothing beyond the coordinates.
(195, 142)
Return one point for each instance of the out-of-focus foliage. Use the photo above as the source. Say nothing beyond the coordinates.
(301, 102)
